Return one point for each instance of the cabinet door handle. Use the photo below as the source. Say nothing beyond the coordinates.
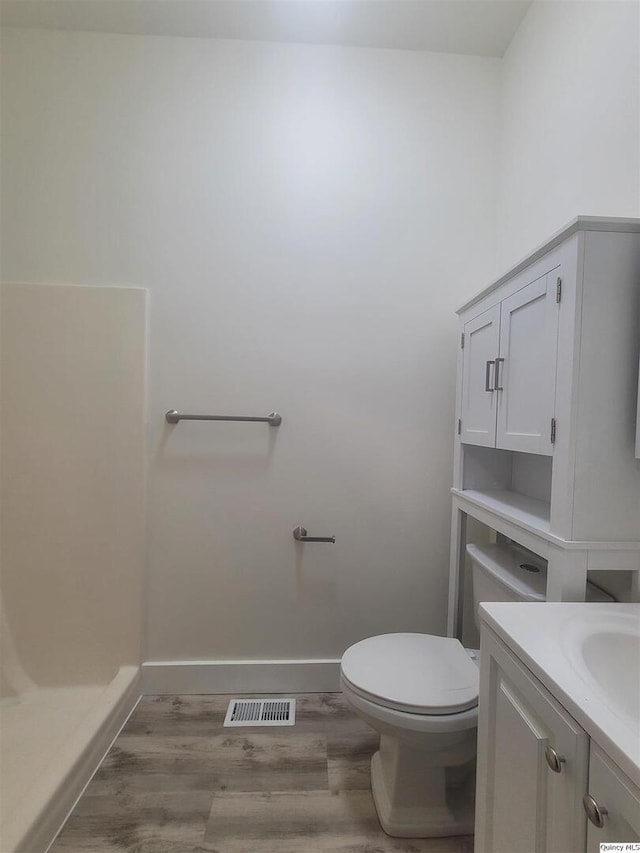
(595, 813)
(554, 760)
(497, 386)
(487, 383)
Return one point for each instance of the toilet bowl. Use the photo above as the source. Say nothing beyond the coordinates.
(420, 692)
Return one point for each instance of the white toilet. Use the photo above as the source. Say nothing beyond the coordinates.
(420, 692)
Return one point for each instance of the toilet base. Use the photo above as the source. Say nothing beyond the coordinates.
(417, 802)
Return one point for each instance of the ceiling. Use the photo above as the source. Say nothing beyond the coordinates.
(481, 27)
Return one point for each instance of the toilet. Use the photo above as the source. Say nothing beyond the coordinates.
(420, 692)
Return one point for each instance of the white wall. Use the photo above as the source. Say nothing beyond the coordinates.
(307, 219)
(570, 127)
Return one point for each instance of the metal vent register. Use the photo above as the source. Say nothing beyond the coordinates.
(261, 712)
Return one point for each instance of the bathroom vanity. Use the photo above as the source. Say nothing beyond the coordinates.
(559, 727)
(546, 409)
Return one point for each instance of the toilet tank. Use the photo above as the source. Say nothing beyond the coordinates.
(506, 572)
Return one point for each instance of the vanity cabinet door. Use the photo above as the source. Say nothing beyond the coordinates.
(526, 368)
(611, 790)
(478, 404)
(532, 763)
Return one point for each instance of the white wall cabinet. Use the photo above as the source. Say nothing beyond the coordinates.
(526, 369)
(509, 370)
(546, 409)
(481, 344)
(536, 765)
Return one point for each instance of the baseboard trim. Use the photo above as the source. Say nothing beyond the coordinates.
(241, 676)
(98, 737)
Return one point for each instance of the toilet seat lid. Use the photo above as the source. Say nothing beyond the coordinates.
(415, 673)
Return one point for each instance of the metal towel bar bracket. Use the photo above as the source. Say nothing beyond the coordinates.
(300, 535)
(174, 417)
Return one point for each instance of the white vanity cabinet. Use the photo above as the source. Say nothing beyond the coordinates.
(546, 409)
(612, 804)
(532, 763)
(543, 785)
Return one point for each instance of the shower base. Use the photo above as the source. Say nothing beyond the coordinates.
(51, 741)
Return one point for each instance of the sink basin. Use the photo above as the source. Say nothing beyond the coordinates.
(613, 659)
(604, 650)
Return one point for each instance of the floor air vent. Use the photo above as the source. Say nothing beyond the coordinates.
(261, 712)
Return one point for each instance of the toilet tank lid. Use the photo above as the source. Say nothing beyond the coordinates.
(415, 673)
(523, 573)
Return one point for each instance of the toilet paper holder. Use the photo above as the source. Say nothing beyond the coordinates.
(300, 535)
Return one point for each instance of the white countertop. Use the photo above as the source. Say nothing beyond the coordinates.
(547, 637)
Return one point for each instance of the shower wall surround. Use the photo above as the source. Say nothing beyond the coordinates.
(72, 541)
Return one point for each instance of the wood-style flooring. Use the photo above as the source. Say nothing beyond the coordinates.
(176, 781)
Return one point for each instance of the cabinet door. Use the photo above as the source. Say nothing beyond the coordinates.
(527, 367)
(613, 791)
(523, 806)
(478, 406)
